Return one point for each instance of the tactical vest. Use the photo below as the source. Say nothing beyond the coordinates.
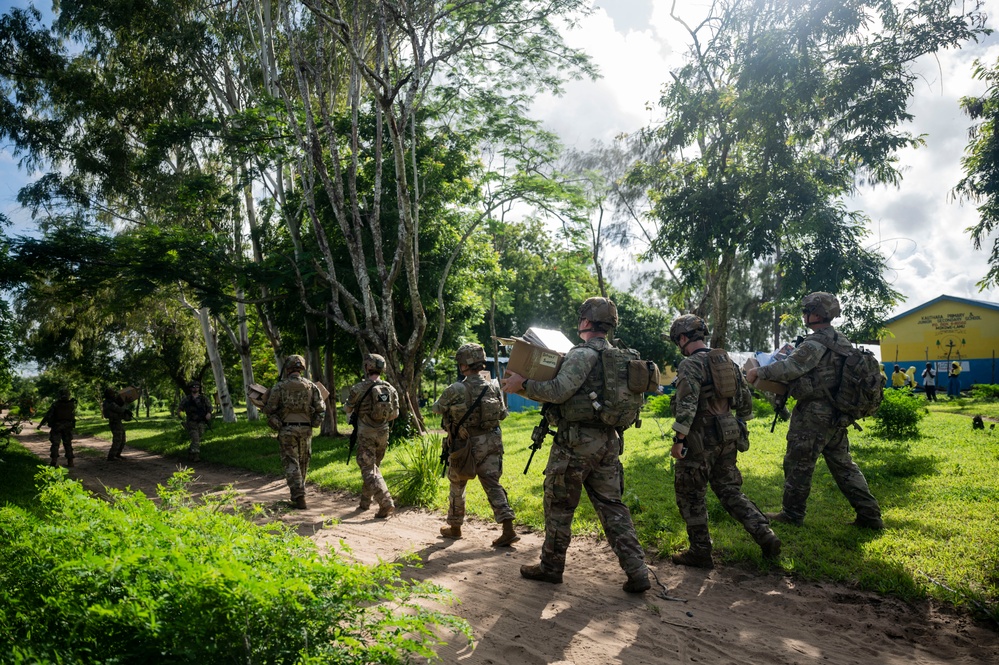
(296, 400)
(63, 411)
(487, 415)
(821, 382)
(580, 408)
(714, 401)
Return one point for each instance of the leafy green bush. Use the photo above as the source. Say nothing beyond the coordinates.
(421, 470)
(658, 406)
(987, 392)
(899, 415)
(762, 408)
(123, 581)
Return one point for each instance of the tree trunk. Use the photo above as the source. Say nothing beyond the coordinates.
(218, 370)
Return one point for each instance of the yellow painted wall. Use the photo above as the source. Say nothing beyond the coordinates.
(962, 330)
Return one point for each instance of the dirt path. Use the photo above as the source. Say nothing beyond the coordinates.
(731, 615)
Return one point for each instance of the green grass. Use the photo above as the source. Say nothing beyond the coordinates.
(939, 493)
(18, 467)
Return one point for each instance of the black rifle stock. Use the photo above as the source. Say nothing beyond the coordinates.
(353, 437)
(445, 449)
(538, 434)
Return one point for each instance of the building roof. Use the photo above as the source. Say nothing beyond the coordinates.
(965, 301)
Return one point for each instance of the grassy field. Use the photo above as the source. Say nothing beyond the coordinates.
(939, 494)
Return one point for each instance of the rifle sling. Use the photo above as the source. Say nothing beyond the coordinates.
(476, 403)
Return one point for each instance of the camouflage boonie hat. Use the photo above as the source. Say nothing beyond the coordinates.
(374, 363)
(295, 363)
(821, 303)
(599, 310)
(469, 354)
(690, 325)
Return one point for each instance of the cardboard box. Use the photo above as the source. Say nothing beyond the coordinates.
(257, 394)
(762, 384)
(538, 354)
(323, 392)
(129, 394)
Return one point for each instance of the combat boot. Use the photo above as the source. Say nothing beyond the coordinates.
(770, 545)
(508, 537)
(783, 518)
(54, 461)
(299, 503)
(69, 461)
(364, 505)
(867, 523)
(453, 531)
(693, 559)
(385, 511)
(638, 583)
(541, 575)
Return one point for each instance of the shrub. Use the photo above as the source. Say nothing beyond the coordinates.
(762, 408)
(123, 581)
(421, 470)
(658, 406)
(988, 392)
(899, 415)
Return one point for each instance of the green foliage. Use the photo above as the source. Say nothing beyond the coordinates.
(986, 392)
(658, 406)
(762, 408)
(899, 415)
(419, 480)
(94, 581)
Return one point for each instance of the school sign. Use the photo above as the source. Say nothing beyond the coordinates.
(944, 330)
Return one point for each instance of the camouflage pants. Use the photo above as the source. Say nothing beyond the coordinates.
(487, 450)
(811, 434)
(713, 463)
(371, 447)
(117, 438)
(61, 434)
(296, 452)
(587, 458)
(195, 431)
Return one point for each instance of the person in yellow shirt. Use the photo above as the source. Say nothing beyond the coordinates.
(954, 380)
(899, 379)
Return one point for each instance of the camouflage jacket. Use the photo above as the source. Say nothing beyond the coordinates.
(196, 409)
(810, 372)
(114, 411)
(580, 374)
(295, 399)
(454, 400)
(690, 400)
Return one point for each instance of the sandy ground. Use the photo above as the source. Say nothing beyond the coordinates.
(730, 615)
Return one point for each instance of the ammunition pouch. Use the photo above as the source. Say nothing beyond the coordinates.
(579, 409)
(742, 444)
(274, 422)
(727, 428)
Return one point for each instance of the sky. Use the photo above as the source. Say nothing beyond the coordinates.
(918, 226)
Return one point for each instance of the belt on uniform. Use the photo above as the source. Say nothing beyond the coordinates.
(298, 424)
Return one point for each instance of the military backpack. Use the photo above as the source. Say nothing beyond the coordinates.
(383, 407)
(861, 383)
(626, 380)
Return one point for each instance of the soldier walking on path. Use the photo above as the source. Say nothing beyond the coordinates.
(585, 454)
(295, 407)
(113, 408)
(61, 419)
(198, 412)
(377, 404)
(812, 373)
(472, 410)
(707, 441)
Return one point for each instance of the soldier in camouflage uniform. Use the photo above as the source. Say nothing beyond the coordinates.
(585, 454)
(373, 432)
(481, 431)
(198, 412)
(706, 445)
(812, 373)
(113, 408)
(61, 419)
(295, 407)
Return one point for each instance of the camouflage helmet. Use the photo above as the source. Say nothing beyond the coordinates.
(64, 393)
(599, 310)
(295, 363)
(470, 354)
(690, 325)
(194, 384)
(821, 303)
(374, 363)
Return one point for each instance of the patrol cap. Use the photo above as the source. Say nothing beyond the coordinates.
(690, 325)
(470, 354)
(821, 303)
(374, 363)
(599, 310)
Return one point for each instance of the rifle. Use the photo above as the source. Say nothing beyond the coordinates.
(352, 421)
(538, 434)
(445, 447)
(779, 403)
(452, 432)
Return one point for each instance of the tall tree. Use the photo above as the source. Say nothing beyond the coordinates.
(782, 108)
